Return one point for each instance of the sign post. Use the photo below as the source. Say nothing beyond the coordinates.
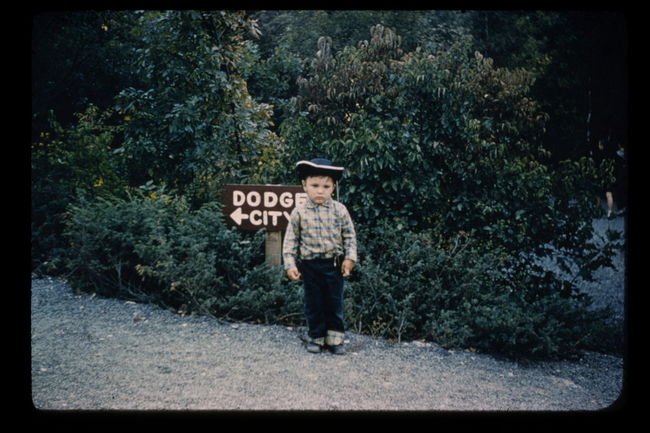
(252, 207)
(273, 248)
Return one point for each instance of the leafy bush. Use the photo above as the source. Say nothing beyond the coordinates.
(154, 248)
(455, 292)
(65, 161)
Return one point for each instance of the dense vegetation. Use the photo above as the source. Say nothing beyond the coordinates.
(471, 159)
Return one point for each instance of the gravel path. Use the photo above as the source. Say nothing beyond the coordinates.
(91, 353)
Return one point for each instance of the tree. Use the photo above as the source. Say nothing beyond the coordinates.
(447, 141)
(192, 123)
(273, 81)
(77, 59)
(299, 30)
(579, 59)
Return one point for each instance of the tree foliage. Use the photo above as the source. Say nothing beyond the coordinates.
(192, 123)
(447, 141)
(67, 162)
(580, 61)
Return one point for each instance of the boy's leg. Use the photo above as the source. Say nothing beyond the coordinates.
(334, 307)
(313, 301)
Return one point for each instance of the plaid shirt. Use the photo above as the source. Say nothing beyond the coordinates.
(319, 232)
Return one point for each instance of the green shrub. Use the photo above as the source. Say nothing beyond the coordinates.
(63, 162)
(454, 291)
(156, 249)
(103, 235)
(457, 293)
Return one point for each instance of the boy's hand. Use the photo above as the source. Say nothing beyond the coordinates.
(293, 274)
(346, 267)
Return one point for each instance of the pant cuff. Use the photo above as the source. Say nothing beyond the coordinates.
(334, 338)
(320, 341)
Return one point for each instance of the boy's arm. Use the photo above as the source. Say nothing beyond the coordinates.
(349, 236)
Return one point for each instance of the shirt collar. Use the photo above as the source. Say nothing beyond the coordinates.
(311, 205)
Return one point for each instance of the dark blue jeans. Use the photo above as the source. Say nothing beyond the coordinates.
(323, 300)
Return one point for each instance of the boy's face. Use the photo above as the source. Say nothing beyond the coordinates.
(318, 188)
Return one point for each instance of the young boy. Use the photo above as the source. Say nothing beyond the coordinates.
(320, 246)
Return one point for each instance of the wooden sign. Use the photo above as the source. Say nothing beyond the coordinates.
(252, 207)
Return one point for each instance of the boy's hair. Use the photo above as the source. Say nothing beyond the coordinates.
(304, 175)
(318, 167)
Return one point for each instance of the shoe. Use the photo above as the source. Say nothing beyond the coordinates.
(337, 350)
(313, 348)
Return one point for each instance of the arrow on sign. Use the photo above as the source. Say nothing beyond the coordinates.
(238, 216)
(258, 217)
